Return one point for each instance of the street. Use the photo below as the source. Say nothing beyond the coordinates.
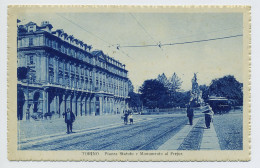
(149, 132)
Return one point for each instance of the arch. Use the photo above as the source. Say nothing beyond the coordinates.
(37, 98)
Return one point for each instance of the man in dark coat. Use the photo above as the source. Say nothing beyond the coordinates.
(190, 114)
(69, 119)
(126, 117)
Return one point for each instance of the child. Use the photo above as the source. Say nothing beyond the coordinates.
(131, 118)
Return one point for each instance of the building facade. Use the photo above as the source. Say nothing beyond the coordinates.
(57, 72)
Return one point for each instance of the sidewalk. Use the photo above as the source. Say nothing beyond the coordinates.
(209, 140)
(174, 142)
(32, 128)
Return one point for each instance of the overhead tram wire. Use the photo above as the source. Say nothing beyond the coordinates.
(140, 24)
(142, 27)
(187, 42)
(92, 34)
(210, 32)
(199, 41)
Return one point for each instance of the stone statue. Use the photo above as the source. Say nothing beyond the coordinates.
(196, 93)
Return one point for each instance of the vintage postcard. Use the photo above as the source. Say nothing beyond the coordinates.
(129, 83)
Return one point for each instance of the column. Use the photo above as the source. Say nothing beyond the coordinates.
(93, 106)
(46, 102)
(69, 74)
(94, 78)
(62, 104)
(79, 112)
(58, 105)
(47, 69)
(43, 73)
(106, 107)
(55, 69)
(68, 103)
(83, 106)
(63, 70)
(74, 105)
(110, 106)
(88, 110)
(53, 103)
(101, 102)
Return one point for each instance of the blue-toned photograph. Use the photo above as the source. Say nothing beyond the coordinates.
(130, 81)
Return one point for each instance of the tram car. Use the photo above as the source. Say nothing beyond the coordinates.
(219, 105)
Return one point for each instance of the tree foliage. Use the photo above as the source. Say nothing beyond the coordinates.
(154, 94)
(172, 84)
(175, 83)
(130, 86)
(205, 92)
(228, 87)
(180, 99)
(163, 79)
(134, 100)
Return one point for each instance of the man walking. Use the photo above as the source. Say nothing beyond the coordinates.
(190, 114)
(69, 119)
(126, 117)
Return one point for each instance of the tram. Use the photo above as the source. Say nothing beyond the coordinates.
(219, 105)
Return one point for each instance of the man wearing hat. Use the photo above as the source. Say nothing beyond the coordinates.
(69, 119)
(190, 114)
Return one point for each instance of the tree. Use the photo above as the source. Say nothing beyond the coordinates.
(180, 99)
(228, 87)
(163, 79)
(134, 100)
(154, 94)
(175, 83)
(205, 91)
(130, 86)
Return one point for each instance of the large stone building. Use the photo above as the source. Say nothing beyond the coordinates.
(62, 72)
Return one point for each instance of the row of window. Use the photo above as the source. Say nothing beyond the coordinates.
(81, 84)
(88, 74)
(76, 54)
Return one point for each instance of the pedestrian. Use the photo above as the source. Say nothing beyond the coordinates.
(190, 114)
(126, 117)
(69, 119)
(208, 116)
(131, 118)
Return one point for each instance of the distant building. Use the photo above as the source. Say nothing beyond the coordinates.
(63, 72)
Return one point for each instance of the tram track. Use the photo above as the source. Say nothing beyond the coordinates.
(104, 145)
(96, 134)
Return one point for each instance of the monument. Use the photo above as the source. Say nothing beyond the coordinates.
(195, 94)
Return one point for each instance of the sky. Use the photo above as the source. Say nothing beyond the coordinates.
(210, 60)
